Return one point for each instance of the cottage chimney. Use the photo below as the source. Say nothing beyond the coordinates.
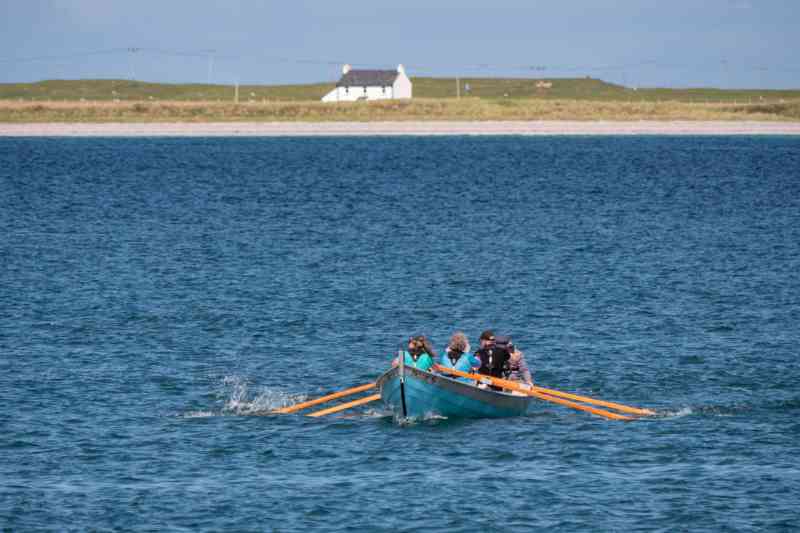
(346, 69)
(401, 69)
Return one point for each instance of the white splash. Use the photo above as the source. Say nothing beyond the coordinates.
(683, 411)
(238, 400)
(241, 401)
(375, 413)
(427, 418)
(198, 414)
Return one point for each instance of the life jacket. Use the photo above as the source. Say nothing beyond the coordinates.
(423, 361)
(463, 362)
(458, 361)
(494, 361)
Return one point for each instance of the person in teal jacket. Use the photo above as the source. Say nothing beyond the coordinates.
(420, 353)
(458, 357)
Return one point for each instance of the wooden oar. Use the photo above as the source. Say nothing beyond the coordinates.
(586, 399)
(506, 384)
(329, 397)
(348, 405)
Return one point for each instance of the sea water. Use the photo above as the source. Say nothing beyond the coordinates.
(159, 297)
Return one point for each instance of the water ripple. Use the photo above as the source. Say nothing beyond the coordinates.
(160, 298)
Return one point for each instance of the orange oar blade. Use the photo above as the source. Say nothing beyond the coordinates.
(586, 399)
(348, 405)
(329, 397)
(579, 407)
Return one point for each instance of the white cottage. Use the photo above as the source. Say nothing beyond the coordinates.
(370, 85)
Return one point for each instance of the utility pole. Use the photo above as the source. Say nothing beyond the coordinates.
(132, 51)
(236, 93)
(210, 65)
(725, 73)
(458, 88)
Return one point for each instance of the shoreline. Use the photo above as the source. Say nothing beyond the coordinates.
(410, 128)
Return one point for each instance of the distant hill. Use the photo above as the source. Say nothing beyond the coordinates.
(495, 88)
(110, 90)
(573, 88)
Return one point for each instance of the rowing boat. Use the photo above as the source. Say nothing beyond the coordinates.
(411, 392)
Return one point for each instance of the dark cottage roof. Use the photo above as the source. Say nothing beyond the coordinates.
(368, 78)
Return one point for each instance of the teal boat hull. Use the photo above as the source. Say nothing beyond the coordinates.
(425, 394)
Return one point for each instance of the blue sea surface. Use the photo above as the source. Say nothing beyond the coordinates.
(159, 297)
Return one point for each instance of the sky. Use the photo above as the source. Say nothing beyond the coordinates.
(638, 43)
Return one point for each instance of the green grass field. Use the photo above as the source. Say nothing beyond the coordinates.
(562, 88)
(434, 99)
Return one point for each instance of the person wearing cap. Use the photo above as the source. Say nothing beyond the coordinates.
(493, 358)
(457, 356)
(420, 353)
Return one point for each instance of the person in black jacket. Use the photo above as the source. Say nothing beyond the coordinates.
(493, 355)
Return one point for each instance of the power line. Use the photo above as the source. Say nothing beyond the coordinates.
(539, 68)
(60, 57)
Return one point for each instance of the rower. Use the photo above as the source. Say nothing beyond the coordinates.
(420, 353)
(517, 367)
(493, 357)
(457, 356)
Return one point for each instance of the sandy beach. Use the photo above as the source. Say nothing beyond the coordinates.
(280, 129)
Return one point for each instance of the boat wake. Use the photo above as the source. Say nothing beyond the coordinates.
(700, 410)
(674, 413)
(730, 409)
(375, 412)
(427, 419)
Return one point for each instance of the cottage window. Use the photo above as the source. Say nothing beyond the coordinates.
(347, 90)
(365, 90)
